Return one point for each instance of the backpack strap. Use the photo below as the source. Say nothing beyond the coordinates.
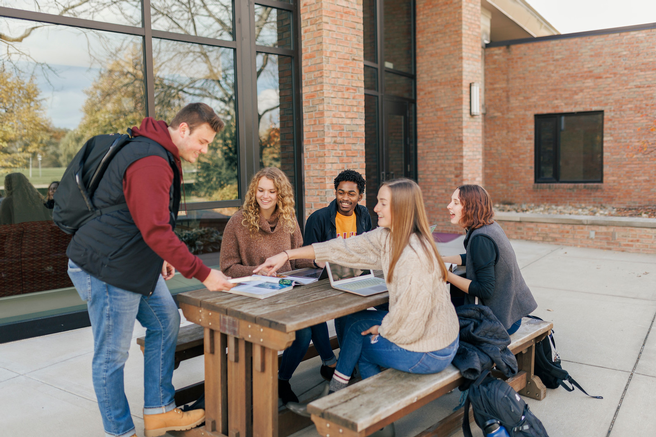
(577, 385)
(466, 428)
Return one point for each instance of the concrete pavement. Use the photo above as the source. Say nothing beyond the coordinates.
(602, 303)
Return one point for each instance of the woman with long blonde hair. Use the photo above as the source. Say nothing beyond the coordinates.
(264, 225)
(419, 333)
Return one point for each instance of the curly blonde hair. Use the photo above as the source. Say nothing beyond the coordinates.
(284, 203)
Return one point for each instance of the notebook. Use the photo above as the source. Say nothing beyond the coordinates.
(356, 281)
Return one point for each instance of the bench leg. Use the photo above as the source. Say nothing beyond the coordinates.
(534, 389)
(327, 428)
(265, 403)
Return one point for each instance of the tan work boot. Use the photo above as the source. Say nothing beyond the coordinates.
(175, 420)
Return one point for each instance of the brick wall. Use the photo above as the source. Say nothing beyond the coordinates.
(333, 95)
(624, 239)
(449, 140)
(614, 73)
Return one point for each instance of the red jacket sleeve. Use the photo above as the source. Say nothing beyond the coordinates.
(146, 186)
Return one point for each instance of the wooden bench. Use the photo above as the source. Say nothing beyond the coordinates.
(371, 404)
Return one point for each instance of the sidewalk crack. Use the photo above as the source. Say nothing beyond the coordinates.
(628, 382)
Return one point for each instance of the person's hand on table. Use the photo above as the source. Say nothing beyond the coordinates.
(168, 271)
(217, 281)
(320, 264)
(271, 265)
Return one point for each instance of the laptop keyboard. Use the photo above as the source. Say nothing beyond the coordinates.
(359, 285)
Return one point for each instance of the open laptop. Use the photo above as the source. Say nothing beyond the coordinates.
(356, 281)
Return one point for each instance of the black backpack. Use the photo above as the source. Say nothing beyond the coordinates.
(494, 400)
(73, 199)
(549, 368)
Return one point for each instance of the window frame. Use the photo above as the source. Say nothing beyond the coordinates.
(538, 153)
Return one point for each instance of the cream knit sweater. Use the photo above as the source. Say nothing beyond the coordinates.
(421, 316)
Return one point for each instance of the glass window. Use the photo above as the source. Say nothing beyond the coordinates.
(569, 147)
(398, 35)
(275, 111)
(371, 148)
(189, 73)
(369, 30)
(370, 78)
(53, 101)
(199, 18)
(273, 27)
(126, 12)
(399, 85)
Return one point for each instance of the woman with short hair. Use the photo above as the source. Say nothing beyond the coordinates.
(493, 275)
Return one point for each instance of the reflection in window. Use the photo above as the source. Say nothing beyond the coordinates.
(275, 109)
(193, 17)
(398, 35)
(569, 147)
(369, 29)
(370, 78)
(371, 153)
(54, 101)
(187, 73)
(126, 12)
(399, 85)
(273, 27)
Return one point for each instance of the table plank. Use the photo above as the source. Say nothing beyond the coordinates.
(311, 313)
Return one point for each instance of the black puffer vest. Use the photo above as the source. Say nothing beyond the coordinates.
(110, 247)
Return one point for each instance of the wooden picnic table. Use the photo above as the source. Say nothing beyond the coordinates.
(242, 338)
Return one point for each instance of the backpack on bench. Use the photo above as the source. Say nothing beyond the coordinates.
(549, 368)
(494, 400)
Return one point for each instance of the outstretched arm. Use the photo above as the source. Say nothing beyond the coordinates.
(272, 264)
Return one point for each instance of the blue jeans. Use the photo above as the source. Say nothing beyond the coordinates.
(370, 357)
(293, 355)
(112, 312)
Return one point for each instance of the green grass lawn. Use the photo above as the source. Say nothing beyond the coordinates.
(42, 180)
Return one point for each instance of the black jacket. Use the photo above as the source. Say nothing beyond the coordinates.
(483, 343)
(111, 247)
(320, 226)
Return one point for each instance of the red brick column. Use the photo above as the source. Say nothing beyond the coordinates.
(449, 139)
(333, 95)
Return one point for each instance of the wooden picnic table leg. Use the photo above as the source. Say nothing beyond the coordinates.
(265, 402)
(216, 393)
(534, 389)
(239, 387)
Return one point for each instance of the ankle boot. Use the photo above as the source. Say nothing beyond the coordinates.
(175, 420)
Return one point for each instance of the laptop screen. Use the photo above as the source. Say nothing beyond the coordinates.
(339, 273)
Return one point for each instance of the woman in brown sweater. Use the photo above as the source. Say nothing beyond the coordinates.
(419, 334)
(264, 226)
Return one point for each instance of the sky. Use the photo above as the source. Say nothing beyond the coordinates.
(583, 15)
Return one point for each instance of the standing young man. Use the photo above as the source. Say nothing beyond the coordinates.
(118, 263)
(343, 217)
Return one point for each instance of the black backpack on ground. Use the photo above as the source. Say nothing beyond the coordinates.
(494, 400)
(73, 204)
(549, 368)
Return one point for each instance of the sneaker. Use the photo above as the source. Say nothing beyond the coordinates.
(327, 372)
(175, 420)
(285, 392)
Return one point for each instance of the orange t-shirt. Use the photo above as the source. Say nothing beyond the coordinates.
(346, 226)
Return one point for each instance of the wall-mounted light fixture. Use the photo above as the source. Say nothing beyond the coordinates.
(474, 99)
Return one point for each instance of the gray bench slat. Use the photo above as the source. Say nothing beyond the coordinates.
(368, 402)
